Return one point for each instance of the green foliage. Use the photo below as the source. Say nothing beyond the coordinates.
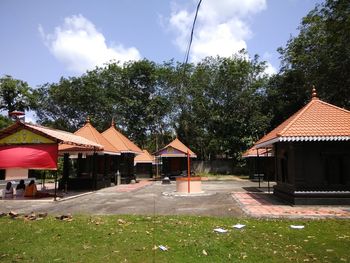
(15, 95)
(189, 239)
(223, 106)
(214, 106)
(320, 56)
(217, 107)
(129, 94)
(5, 122)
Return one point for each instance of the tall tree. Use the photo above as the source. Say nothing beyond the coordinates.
(4, 122)
(320, 56)
(224, 106)
(131, 94)
(14, 95)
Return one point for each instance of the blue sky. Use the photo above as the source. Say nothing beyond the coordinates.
(43, 40)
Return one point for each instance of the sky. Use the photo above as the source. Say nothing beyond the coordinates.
(42, 40)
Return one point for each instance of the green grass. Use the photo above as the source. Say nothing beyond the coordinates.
(104, 239)
(212, 176)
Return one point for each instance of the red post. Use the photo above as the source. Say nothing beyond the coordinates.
(188, 171)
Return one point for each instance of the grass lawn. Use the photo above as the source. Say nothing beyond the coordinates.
(221, 177)
(189, 239)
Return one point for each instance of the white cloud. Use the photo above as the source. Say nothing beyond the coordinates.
(222, 27)
(30, 117)
(270, 69)
(80, 46)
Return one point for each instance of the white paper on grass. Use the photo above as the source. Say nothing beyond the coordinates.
(238, 226)
(296, 227)
(220, 230)
(163, 248)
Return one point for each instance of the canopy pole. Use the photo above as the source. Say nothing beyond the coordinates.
(268, 176)
(257, 168)
(188, 171)
(55, 197)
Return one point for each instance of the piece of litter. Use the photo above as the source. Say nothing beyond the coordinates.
(238, 226)
(296, 227)
(121, 221)
(220, 230)
(204, 252)
(163, 248)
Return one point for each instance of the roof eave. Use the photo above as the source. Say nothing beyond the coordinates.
(268, 143)
(302, 139)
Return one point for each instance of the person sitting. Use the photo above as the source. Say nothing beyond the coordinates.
(20, 188)
(30, 190)
(8, 192)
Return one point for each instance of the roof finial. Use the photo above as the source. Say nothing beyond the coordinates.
(112, 123)
(314, 93)
(88, 119)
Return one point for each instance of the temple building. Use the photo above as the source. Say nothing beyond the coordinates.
(260, 163)
(312, 154)
(86, 168)
(25, 147)
(174, 158)
(144, 165)
(128, 150)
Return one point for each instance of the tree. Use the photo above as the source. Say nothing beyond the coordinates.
(131, 94)
(15, 95)
(223, 106)
(5, 122)
(320, 56)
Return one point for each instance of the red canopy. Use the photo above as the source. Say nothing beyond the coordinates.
(32, 156)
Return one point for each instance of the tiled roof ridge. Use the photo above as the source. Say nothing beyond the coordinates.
(98, 139)
(296, 116)
(334, 106)
(92, 130)
(176, 139)
(147, 152)
(47, 131)
(44, 127)
(122, 139)
(299, 114)
(89, 126)
(291, 128)
(120, 136)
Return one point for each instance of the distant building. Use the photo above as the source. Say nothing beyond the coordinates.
(144, 165)
(174, 158)
(260, 162)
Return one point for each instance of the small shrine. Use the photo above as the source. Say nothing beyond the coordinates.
(174, 158)
(312, 154)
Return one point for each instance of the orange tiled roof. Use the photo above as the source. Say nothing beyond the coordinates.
(316, 121)
(144, 157)
(119, 141)
(89, 132)
(263, 152)
(62, 137)
(178, 145)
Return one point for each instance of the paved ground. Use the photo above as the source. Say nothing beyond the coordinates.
(222, 198)
(266, 205)
(133, 199)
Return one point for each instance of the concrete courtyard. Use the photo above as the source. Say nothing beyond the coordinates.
(229, 198)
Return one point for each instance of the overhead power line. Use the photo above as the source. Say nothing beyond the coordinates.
(192, 30)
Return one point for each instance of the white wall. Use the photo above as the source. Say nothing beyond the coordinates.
(16, 173)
